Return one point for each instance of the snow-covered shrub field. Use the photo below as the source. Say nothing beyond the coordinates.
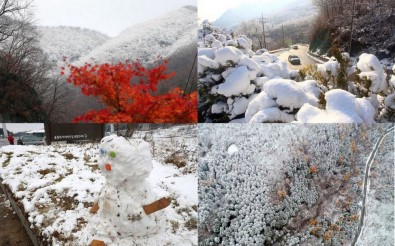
(56, 186)
(237, 84)
(293, 184)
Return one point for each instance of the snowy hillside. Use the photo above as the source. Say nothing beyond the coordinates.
(148, 40)
(70, 42)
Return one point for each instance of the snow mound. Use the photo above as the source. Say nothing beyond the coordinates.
(329, 67)
(237, 80)
(372, 69)
(341, 107)
(281, 93)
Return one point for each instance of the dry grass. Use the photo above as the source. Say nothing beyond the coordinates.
(177, 159)
(282, 193)
(191, 224)
(7, 161)
(313, 169)
(68, 156)
(174, 225)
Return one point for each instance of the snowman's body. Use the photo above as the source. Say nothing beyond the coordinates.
(126, 164)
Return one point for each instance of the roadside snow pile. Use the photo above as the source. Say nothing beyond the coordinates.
(302, 186)
(57, 186)
(341, 106)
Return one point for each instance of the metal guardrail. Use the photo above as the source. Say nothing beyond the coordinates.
(317, 57)
(275, 51)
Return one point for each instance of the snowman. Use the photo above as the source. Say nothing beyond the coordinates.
(126, 164)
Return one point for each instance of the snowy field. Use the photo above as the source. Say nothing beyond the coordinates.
(291, 184)
(57, 185)
(237, 84)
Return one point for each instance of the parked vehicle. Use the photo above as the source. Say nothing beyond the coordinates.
(295, 47)
(30, 140)
(294, 59)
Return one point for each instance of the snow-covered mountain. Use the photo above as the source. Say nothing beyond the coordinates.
(163, 36)
(70, 42)
(146, 41)
(276, 13)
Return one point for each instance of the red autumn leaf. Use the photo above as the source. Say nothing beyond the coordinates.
(127, 90)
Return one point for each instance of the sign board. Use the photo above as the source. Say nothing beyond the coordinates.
(56, 132)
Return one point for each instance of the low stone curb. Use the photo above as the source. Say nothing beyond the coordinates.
(20, 214)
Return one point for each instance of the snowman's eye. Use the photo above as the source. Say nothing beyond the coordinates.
(112, 154)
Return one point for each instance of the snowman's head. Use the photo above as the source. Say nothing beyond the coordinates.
(121, 159)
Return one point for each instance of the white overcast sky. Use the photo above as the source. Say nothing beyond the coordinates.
(22, 127)
(213, 9)
(107, 16)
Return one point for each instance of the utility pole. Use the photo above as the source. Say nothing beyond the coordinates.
(5, 130)
(263, 29)
(352, 26)
(282, 28)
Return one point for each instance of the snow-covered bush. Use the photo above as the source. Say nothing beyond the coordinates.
(366, 80)
(237, 84)
(233, 76)
(280, 99)
(372, 70)
(341, 106)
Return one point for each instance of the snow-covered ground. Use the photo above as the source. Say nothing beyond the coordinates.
(284, 184)
(57, 185)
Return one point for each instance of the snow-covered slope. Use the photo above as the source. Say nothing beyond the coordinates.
(146, 41)
(70, 42)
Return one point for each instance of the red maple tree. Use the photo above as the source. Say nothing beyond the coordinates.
(128, 91)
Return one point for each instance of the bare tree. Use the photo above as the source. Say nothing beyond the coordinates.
(252, 29)
(11, 10)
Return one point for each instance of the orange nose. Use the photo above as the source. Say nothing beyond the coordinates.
(108, 167)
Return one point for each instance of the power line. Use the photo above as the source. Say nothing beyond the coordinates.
(282, 28)
(190, 74)
(352, 26)
(262, 20)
